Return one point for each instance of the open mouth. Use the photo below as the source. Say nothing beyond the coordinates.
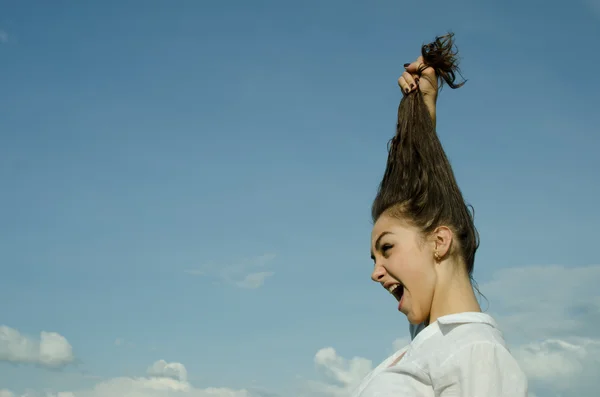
(397, 290)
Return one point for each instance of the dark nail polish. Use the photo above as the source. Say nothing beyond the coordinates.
(407, 90)
(417, 80)
(412, 85)
(406, 65)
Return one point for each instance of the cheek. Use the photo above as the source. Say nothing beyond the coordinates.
(424, 284)
(420, 296)
(398, 267)
(421, 281)
(411, 269)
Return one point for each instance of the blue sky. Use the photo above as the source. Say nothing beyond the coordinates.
(192, 182)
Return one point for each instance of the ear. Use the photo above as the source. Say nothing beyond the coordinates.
(442, 240)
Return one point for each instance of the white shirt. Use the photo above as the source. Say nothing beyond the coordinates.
(462, 355)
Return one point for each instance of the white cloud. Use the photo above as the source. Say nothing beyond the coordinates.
(163, 369)
(164, 380)
(538, 302)
(557, 360)
(247, 273)
(344, 372)
(141, 387)
(568, 366)
(341, 375)
(51, 350)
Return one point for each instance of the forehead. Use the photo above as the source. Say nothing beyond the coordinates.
(387, 223)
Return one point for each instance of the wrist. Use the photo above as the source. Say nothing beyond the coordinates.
(432, 113)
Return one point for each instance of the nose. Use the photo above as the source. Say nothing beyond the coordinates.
(378, 273)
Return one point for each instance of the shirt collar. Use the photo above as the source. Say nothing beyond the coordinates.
(452, 319)
(467, 317)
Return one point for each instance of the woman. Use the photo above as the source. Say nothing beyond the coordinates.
(423, 245)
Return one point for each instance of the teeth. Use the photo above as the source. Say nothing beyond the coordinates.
(396, 292)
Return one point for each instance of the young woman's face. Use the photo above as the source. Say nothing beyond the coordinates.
(405, 266)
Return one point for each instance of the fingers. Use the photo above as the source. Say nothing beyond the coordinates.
(408, 82)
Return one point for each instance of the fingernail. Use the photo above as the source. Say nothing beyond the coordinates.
(412, 85)
(416, 80)
(407, 90)
(406, 65)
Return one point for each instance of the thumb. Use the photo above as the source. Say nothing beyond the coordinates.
(418, 67)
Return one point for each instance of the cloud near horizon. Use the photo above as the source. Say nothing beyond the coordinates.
(163, 379)
(549, 314)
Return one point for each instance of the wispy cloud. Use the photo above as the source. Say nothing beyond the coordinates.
(124, 344)
(254, 280)
(247, 273)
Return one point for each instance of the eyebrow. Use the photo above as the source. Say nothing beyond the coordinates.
(377, 242)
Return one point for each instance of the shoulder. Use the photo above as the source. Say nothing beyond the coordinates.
(481, 357)
(477, 340)
(477, 362)
(481, 368)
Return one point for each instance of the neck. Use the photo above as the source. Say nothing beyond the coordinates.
(453, 294)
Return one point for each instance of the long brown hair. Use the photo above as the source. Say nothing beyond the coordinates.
(418, 183)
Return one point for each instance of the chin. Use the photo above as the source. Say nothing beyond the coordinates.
(415, 319)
